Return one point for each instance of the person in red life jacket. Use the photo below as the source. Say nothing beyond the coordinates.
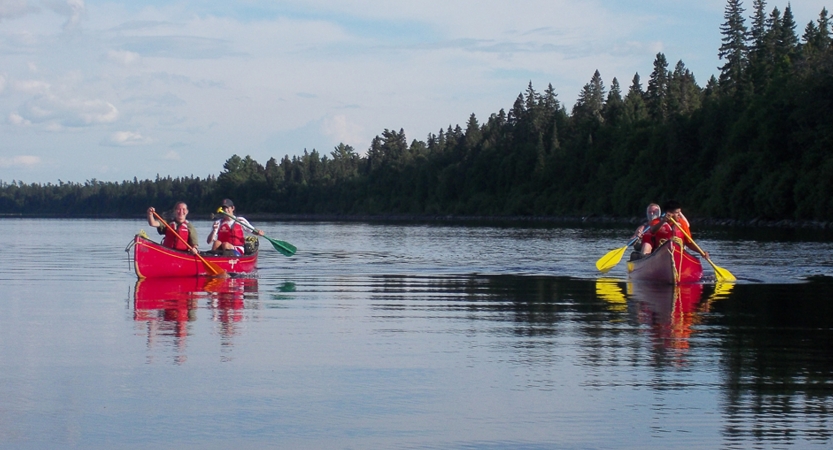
(652, 214)
(666, 229)
(180, 225)
(227, 236)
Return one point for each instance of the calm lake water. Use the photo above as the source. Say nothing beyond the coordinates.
(413, 336)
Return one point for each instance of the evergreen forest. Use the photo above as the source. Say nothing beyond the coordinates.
(755, 142)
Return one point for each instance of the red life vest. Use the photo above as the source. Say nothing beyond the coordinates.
(231, 234)
(666, 232)
(172, 241)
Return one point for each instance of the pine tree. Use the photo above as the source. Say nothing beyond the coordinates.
(824, 30)
(758, 51)
(733, 48)
(614, 105)
(683, 93)
(757, 32)
(635, 110)
(517, 111)
(591, 99)
(550, 100)
(656, 97)
(788, 37)
(810, 36)
(473, 134)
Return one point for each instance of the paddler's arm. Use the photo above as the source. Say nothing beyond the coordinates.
(212, 236)
(159, 225)
(193, 240)
(152, 220)
(251, 228)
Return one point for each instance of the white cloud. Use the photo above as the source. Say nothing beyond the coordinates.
(73, 10)
(56, 113)
(123, 57)
(31, 86)
(11, 9)
(340, 129)
(172, 156)
(20, 161)
(15, 119)
(126, 139)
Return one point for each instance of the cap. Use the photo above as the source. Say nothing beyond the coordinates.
(227, 203)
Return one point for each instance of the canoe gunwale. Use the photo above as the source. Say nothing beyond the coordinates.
(670, 263)
(153, 260)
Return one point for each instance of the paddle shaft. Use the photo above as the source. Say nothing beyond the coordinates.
(285, 248)
(722, 273)
(216, 270)
(671, 219)
(248, 227)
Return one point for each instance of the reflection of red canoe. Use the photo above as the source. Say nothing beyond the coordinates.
(670, 310)
(160, 293)
(168, 304)
(176, 297)
(666, 300)
(669, 264)
(152, 260)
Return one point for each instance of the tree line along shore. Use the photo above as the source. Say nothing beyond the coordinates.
(754, 146)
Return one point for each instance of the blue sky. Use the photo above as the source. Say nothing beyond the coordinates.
(113, 90)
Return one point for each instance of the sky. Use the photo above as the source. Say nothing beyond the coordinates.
(112, 90)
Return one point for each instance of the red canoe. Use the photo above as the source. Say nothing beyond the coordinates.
(152, 260)
(669, 264)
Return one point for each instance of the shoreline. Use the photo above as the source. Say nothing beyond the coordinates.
(462, 219)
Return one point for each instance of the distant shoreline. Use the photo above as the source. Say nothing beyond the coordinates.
(451, 219)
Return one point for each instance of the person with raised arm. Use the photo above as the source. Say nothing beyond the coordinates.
(179, 226)
(227, 234)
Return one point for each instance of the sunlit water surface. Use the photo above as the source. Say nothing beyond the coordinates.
(412, 336)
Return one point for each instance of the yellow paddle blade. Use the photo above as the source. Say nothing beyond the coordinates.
(610, 260)
(721, 273)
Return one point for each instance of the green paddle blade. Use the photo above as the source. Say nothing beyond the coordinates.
(284, 247)
(610, 260)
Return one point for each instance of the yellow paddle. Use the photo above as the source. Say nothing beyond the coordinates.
(611, 258)
(719, 272)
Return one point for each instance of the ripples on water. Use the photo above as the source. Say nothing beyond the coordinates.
(411, 336)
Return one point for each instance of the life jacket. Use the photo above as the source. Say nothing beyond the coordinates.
(646, 234)
(231, 233)
(172, 241)
(684, 225)
(666, 232)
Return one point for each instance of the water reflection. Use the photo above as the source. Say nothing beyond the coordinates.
(776, 346)
(749, 363)
(169, 307)
(669, 311)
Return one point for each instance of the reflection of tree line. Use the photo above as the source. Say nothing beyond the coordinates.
(778, 363)
(777, 351)
(775, 342)
(169, 305)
